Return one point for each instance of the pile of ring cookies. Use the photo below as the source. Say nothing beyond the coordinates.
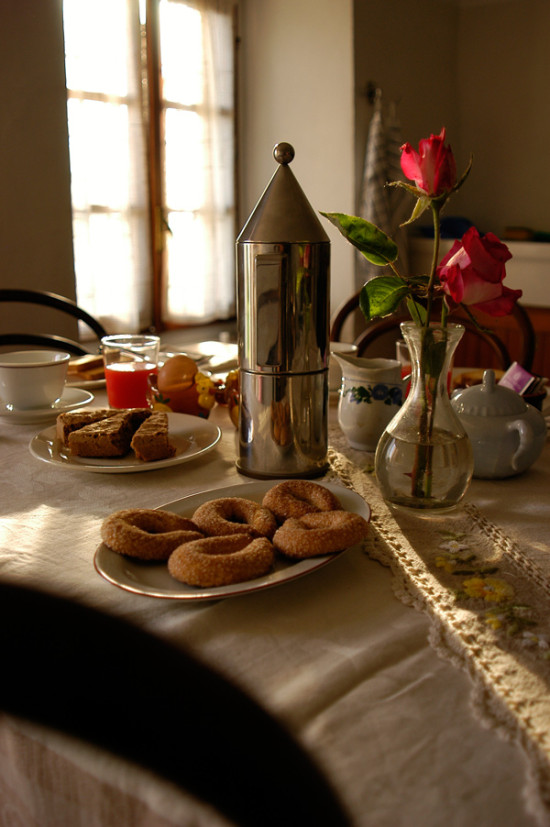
(232, 539)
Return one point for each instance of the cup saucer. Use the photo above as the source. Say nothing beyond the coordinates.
(71, 399)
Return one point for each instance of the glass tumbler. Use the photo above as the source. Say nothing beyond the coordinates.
(129, 361)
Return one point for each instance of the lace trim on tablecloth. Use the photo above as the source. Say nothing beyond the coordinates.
(488, 605)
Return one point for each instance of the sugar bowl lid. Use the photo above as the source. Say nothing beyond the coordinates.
(488, 399)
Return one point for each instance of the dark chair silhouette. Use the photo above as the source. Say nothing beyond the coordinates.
(49, 340)
(491, 340)
(91, 675)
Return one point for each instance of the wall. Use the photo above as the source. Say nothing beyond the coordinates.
(297, 86)
(411, 55)
(481, 68)
(35, 208)
(504, 70)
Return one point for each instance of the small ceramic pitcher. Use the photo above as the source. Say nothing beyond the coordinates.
(371, 394)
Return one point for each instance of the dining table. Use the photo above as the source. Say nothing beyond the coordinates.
(414, 667)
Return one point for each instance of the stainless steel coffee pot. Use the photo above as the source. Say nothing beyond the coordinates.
(283, 290)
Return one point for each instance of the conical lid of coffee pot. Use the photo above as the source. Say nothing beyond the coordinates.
(283, 213)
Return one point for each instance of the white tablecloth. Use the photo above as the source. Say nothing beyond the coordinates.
(335, 655)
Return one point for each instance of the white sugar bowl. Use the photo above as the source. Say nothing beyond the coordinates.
(506, 433)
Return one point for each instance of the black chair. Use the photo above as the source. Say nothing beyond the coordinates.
(49, 340)
(494, 345)
(92, 675)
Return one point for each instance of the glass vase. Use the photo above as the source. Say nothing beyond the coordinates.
(424, 459)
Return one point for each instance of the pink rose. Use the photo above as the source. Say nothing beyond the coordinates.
(472, 273)
(433, 167)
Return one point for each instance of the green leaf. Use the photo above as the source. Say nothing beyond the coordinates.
(422, 204)
(433, 353)
(374, 244)
(381, 296)
(423, 201)
(417, 311)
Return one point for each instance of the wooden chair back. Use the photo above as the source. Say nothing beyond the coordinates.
(49, 339)
(501, 341)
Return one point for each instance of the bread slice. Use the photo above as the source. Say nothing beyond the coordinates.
(151, 441)
(71, 421)
(110, 437)
(86, 368)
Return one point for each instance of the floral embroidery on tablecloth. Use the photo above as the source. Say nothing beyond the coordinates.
(480, 582)
(478, 569)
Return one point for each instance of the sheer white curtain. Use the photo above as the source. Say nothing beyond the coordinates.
(199, 163)
(108, 161)
(108, 133)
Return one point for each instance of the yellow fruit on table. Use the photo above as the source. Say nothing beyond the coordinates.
(232, 396)
(206, 400)
(160, 406)
(234, 415)
(182, 388)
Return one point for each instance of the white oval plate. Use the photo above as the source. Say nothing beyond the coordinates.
(154, 580)
(86, 384)
(192, 436)
(71, 399)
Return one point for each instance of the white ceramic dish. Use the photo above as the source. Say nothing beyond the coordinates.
(87, 384)
(153, 579)
(192, 436)
(71, 399)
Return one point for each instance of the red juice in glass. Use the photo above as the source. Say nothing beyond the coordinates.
(127, 384)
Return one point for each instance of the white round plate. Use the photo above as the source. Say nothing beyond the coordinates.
(87, 384)
(154, 580)
(191, 435)
(71, 399)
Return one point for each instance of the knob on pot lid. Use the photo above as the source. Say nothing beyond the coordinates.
(283, 213)
(488, 399)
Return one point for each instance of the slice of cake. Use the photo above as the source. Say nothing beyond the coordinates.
(151, 440)
(110, 437)
(74, 420)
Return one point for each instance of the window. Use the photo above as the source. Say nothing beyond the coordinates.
(150, 107)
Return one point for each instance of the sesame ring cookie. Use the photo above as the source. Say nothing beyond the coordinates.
(319, 533)
(147, 533)
(222, 560)
(294, 498)
(234, 515)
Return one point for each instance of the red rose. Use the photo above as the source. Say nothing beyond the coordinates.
(433, 167)
(472, 273)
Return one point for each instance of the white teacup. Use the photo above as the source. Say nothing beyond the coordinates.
(334, 369)
(32, 378)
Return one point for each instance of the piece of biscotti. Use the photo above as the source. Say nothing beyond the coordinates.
(151, 440)
(71, 421)
(109, 437)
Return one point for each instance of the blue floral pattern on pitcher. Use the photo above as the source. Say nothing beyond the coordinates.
(388, 394)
